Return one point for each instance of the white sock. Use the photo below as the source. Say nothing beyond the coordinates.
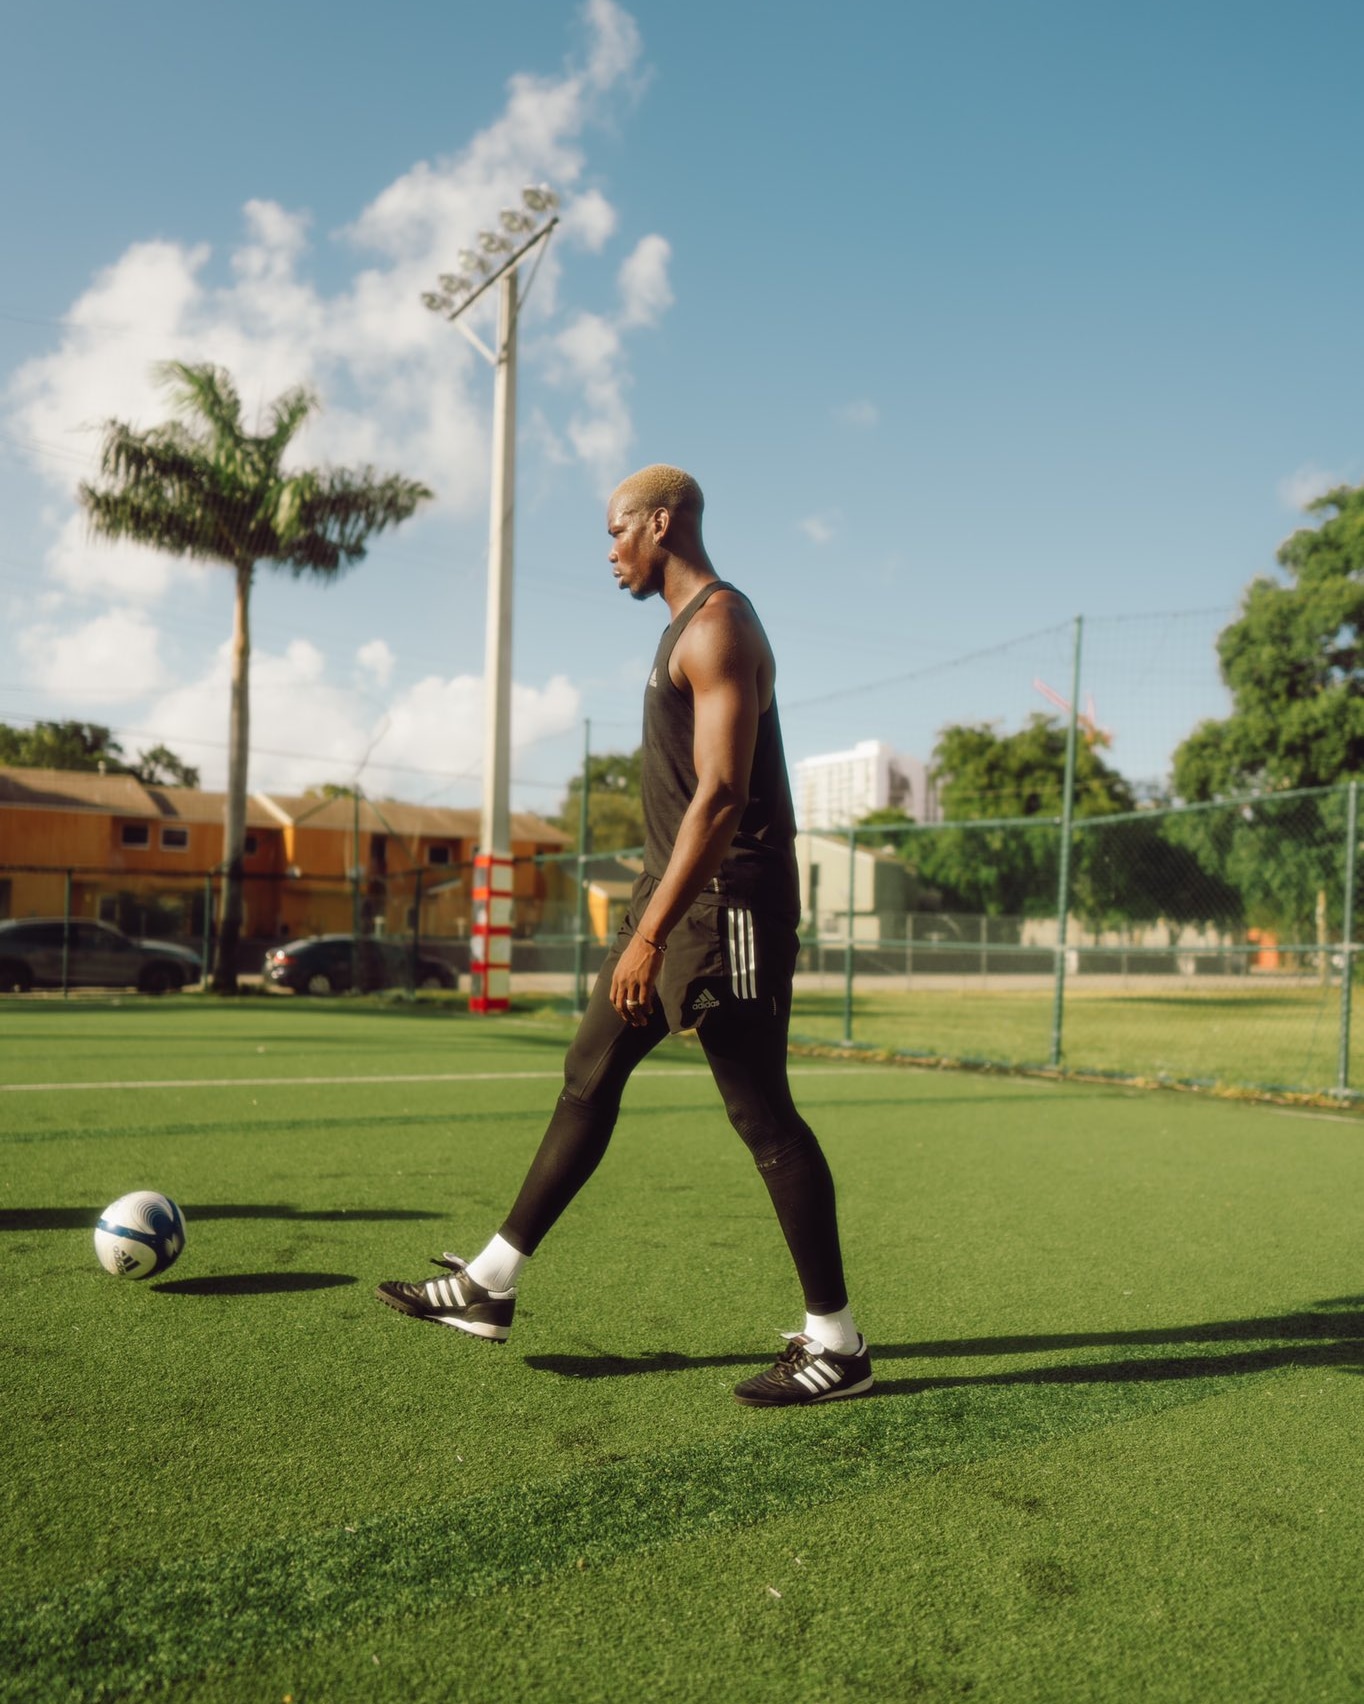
(835, 1331)
(496, 1268)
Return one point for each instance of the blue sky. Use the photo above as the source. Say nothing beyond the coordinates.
(968, 319)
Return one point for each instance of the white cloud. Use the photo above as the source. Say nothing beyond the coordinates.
(127, 572)
(616, 44)
(645, 292)
(863, 413)
(112, 659)
(589, 346)
(307, 728)
(369, 348)
(816, 529)
(400, 390)
(589, 219)
(589, 355)
(436, 726)
(376, 659)
(1309, 482)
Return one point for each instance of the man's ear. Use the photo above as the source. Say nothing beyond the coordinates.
(662, 520)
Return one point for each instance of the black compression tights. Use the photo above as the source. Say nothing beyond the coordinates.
(748, 1061)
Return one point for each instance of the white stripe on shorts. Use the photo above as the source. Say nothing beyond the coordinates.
(743, 967)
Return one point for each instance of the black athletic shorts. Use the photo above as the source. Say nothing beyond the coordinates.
(722, 957)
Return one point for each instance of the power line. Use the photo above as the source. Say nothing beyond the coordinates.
(447, 777)
(930, 669)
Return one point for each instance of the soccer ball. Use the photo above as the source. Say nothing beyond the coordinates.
(139, 1235)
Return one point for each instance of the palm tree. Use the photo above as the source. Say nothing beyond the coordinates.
(202, 486)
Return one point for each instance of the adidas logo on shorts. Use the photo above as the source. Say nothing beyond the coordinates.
(704, 1001)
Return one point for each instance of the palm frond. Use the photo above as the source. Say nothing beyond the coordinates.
(206, 392)
(201, 486)
(347, 507)
(287, 414)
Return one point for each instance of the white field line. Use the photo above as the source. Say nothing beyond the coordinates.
(415, 1077)
(1319, 1117)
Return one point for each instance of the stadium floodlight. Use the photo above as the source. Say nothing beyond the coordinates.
(495, 259)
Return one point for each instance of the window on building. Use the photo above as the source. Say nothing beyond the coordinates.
(174, 839)
(438, 855)
(135, 834)
(252, 846)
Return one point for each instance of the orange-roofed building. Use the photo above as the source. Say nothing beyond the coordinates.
(144, 856)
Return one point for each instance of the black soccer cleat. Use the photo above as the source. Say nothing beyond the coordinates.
(806, 1371)
(455, 1300)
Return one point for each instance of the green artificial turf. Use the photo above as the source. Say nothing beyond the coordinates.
(1245, 1037)
(1112, 1452)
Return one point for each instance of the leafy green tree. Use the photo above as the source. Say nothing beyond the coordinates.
(81, 746)
(1122, 872)
(888, 826)
(202, 486)
(981, 773)
(615, 816)
(88, 747)
(1282, 857)
(1294, 663)
(160, 767)
(1152, 868)
(982, 776)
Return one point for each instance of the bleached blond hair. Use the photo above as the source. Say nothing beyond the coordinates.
(660, 487)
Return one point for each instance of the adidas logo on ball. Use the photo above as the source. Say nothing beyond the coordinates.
(139, 1235)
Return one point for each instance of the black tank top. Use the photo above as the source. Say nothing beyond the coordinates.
(760, 866)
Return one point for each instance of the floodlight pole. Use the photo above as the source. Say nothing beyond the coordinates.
(490, 945)
(495, 831)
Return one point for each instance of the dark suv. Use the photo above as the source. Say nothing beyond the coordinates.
(324, 964)
(97, 957)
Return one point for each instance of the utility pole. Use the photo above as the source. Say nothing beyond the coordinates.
(496, 261)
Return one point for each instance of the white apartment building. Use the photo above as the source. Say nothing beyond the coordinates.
(843, 786)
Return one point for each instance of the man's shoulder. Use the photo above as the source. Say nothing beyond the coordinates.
(727, 612)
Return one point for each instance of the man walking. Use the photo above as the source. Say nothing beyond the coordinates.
(709, 943)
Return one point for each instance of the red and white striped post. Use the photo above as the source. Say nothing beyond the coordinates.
(490, 946)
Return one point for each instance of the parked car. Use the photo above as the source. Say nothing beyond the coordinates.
(324, 964)
(98, 956)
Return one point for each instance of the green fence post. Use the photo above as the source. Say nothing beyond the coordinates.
(848, 948)
(66, 939)
(1347, 933)
(355, 978)
(580, 927)
(414, 976)
(1063, 880)
(207, 937)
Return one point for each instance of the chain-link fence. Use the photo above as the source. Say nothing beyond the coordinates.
(1207, 945)
(65, 929)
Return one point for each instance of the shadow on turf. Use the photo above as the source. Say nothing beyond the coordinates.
(85, 1218)
(1329, 1334)
(254, 1283)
